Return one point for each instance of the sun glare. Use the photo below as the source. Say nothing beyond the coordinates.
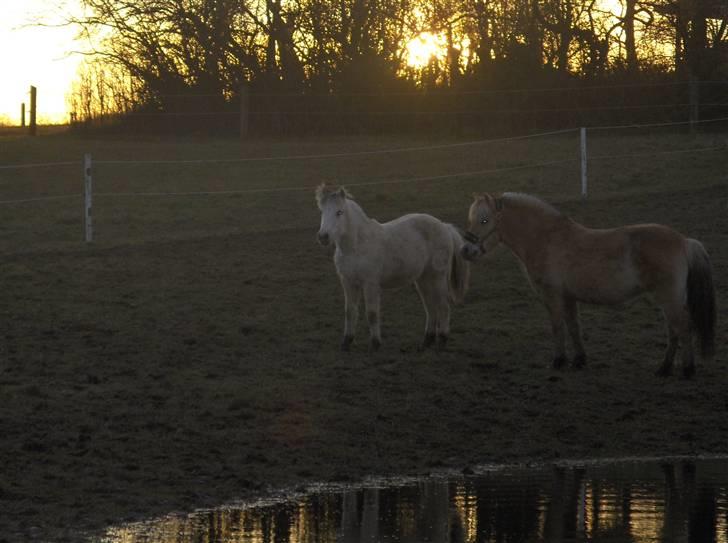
(425, 47)
(36, 56)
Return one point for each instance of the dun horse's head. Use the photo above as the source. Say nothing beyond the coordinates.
(333, 205)
(482, 235)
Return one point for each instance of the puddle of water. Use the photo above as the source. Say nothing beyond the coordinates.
(624, 501)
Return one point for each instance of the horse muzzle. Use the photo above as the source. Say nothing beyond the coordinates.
(323, 239)
(471, 251)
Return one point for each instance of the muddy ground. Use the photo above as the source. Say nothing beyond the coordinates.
(147, 377)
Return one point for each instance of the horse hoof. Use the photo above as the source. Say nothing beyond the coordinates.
(346, 343)
(374, 344)
(441, 342)
(688, 372)
(428, 341)
(579, 361)
(558, 362)
(663, 371)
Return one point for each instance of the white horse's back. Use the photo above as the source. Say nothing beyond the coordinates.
(420, 242)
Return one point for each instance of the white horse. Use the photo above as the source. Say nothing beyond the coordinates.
(369, 256)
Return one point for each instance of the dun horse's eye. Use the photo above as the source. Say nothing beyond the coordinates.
(484, 220)
(339, 213)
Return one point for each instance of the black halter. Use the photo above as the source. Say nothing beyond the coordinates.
(470, 237)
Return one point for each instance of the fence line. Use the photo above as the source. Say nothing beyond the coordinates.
(660, 153)
(372, 152)
(421, 113)
(659, 125)
(424, 113)
(40, 199)
(38, 165)
(369, 153)
(361, 184)
(449, 92)
(342, 155)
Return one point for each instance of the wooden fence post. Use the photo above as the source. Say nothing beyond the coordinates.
(22, 115)
(33, 107)
(87, 197)
(583, 164)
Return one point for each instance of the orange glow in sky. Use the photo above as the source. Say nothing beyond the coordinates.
(33, 55)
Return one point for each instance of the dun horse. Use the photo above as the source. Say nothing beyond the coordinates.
(568, 263)
(370, 256)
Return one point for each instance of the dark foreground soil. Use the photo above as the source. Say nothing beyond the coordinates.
(142, 379)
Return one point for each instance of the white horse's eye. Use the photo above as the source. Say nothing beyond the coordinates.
(339, 213)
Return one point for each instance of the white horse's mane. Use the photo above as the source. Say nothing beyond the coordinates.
(531, 200)
(325, 191)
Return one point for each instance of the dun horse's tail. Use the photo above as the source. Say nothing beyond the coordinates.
(459, 276)
(701, 297)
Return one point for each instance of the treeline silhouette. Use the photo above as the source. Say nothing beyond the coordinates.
(323, 66)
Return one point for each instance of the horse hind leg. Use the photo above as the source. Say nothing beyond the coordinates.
(425, 292)
(372, 298)
(352, 295)
(571, 312)
(679, 334)
(665, 368)
(688, 356)
(555, 305)
(443, 312)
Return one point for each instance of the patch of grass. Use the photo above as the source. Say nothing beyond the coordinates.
(190, 355)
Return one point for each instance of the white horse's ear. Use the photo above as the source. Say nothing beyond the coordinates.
(343, 193)
(321, 191)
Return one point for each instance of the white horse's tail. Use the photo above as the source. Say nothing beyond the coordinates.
(701, 297)
(459, 276)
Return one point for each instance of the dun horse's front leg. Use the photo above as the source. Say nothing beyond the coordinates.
(371, 301)
(352, 295)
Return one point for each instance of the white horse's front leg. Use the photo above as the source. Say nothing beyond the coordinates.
(352, 295)
(372, 295)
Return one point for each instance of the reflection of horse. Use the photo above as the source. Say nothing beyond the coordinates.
(568, 263)
(415, 249)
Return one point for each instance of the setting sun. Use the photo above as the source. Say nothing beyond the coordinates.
(423, 48)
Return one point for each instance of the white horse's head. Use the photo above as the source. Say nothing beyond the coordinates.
(482, 236)
(334, 204)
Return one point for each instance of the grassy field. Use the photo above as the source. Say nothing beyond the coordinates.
(189, 355)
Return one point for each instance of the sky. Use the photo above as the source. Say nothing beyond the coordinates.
(33, 55)
(43, 56)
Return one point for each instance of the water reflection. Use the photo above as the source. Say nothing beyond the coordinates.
(638, 502)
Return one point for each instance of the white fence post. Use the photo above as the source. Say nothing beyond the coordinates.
(583, 164)
(87, 197)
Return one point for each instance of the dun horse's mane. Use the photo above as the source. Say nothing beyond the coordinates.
(531, 201)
